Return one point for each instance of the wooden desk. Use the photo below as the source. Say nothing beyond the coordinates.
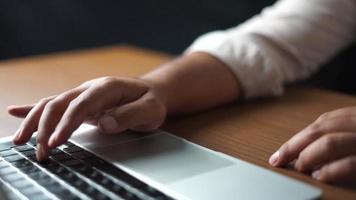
(251, 131)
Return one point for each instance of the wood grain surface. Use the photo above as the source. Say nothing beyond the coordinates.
(251, 131)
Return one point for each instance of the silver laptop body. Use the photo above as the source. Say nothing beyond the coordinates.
(189, 171)
(184, 170)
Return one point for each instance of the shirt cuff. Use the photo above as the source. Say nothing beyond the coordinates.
(246, 59)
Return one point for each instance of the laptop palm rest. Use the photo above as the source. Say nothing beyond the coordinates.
(190, 169)
(159, 156)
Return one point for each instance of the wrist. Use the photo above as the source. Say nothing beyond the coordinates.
(192, 83)
(157, 87)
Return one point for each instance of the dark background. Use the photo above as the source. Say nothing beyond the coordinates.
(37, 27)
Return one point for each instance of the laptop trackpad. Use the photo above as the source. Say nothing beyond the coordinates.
(163, 157)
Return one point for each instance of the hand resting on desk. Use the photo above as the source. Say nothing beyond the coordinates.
(327, 147)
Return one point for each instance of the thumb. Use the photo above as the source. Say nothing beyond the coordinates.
(140, 115)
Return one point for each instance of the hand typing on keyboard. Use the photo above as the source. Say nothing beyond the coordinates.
(114, 104)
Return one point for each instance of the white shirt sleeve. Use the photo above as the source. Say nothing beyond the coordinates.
(284, 43)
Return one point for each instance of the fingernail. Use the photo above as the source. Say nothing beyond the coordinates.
(316, 174)
(108, 123)
(11, 107)
(274, 158)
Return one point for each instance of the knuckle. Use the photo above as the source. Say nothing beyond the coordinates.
(157, 105)
(323, 117)
(329, 142)
(111, 83)
(52, 106)
(350, 164)
(108, 80)
(44, 100)
(79, 103)
(315, 127)
(151, 101)
(314, 131)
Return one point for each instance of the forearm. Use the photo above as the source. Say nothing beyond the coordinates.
(285, 43)
(194, 82)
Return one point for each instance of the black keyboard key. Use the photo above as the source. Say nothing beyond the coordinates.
(61, 156)
(69, 144)
(152, 192)
(69, 176)
(72, 149)
(45, 180)
(115, 188)
(27, 190)
(7, 153)
(53, 186)
(12, 177)
(33, 158)
(101, 196)
(122, 175)
(72, 162)
(22, 163)
(82, 155)
(14, 158)
(37, 174)
(30, 190)
(117, 173)
(59, 171)
(28, 153)
(21, 183)
(77, 159)
(59, 190)
(93, 174)
(3, 164)
(55, 151)
(96, 161)
(108, 168)
(23, 148)
(6, 146)
(80, 184)
(7, 170)
(62, 193)
(130, 196)
(102, 180)
(40, 196)
(120, 191)
(74, 180)
(56, 187)
(49, 164)
(88, 189)
(132, 181)
(81, 168)
(30, 169)
(90, 173)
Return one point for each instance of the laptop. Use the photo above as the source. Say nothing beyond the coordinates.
(131, 165)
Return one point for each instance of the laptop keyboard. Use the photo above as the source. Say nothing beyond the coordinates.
(70, 173)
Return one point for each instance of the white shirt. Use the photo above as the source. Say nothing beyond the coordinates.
(284, 43)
